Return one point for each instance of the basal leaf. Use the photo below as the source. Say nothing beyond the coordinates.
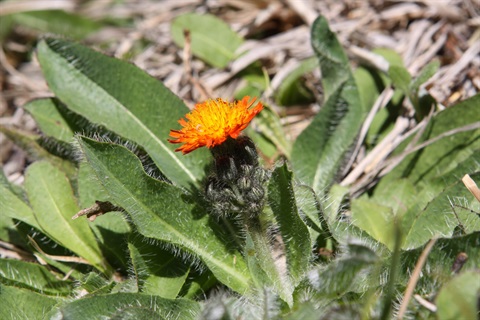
(333, 205)
(54, 205)
(211, 39)
(445, 154)
(458, 299)
(58, 22)
(111, 229)
(265, 270)
(124, 99)
(320, 150)
(13, 206)
(157, 270)
(430, 208)
(401, 78)
(294, 232)
(49, 119)
(368, 84)
(34, 277)
(128, 306)
(308, 205)
(164, 212)
(339, 276)
(19, 303)
(93, 283)
(426, 73)
(374, 219)
(398, 196)
(454, 209)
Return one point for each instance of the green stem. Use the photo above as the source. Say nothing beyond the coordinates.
(395, 264)
(258, 253)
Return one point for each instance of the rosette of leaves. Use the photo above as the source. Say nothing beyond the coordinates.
(156, 251)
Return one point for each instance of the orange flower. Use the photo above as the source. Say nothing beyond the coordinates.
(210, 123)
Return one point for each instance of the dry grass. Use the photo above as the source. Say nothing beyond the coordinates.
(278, 36)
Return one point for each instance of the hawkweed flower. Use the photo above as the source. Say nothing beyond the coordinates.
(236, 184)
(212, 122)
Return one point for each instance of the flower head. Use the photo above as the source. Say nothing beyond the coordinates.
(210, 123)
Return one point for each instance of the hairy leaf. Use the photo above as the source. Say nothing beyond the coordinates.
(34, 277)
(49, 118)
(452, 212)
(320, 150)
(19, 303)
(444, 155)
(294, 232)
(164, 212)
(340, 275)
(54, 205)
(128, 306)
(157, 270)
(124, 99)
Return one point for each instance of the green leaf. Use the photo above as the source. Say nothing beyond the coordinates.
(426, 73)
(294, 232)
(333, 206)
(124, 99)
(128, 306)
(164, 212)
(309, 206)
(458, 299)
(49, 118)
(32, 276)
(197, 284)
(158, 271)
(339, 276)
(444, 155)
(320, 150)
(17, 303)
(93, 283)
(292, 91)
(423, 102)
(110, 229)
(270, 127)
(54, 205)
(58, 22)
(398, 196)
(454, 208)
(13, 206)
(368, 84)
(376, 220)
(392, 56)
(401, 78)
(265, 270)
(212, 40)
(7, 230)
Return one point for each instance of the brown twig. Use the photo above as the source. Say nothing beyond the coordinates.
(96, 210)
(425, 303)
(8, 250)
(414, 278)
(57, 258)
(471, 186)
(187, 58)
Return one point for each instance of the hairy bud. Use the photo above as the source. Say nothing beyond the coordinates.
(237, 184)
